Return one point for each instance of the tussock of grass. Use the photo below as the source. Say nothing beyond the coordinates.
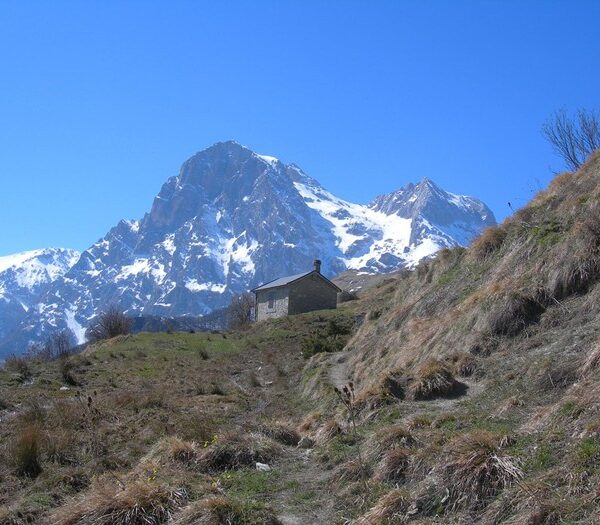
(233, 451)
(280, 432)
(220, 510)
(511, 312)
(434, 379)
(26, 451)
(393, 465)
(390, 508)
(110, 503)
(327, 431)
(488, 242)
(387, 438)
(463, 364)
(592, 362)
(477, 469)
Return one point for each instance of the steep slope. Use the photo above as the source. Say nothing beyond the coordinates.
(24, 278)
(476, 400)
(478, 375)
(232, 219)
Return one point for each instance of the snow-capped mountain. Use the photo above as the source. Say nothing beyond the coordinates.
(232, 219)
(25, 277)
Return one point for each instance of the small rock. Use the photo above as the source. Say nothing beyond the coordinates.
(64, 388)
(306, 442)
(263, 467)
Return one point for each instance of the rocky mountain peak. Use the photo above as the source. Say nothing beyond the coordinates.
(232, 219)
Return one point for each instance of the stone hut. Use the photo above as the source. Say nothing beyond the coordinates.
(295, 294)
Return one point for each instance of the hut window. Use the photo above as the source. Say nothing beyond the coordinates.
(271, 299)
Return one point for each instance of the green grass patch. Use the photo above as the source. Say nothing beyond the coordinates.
(246, 484)
(587, 453)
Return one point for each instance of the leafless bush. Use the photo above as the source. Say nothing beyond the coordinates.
(18, 365)
(573, 138)
(110, 323)
(57, 345)
(240, 311)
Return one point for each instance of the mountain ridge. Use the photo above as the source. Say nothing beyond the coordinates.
(233, 218)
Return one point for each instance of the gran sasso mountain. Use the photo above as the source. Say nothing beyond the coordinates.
(232, 219)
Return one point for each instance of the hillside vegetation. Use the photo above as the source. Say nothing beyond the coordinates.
(476, 399)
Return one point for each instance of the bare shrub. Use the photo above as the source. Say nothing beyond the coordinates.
(434, 379)
(490, 240)
(134, 503)
(26, 451)
(56, 346)
(19, 366)
(477, 469)
(110, 323)
(573, 138)
(240, 311)
(66, 367)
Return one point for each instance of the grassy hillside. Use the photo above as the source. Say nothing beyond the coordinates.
(476, 400)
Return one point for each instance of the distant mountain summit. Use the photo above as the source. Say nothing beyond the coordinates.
(233, 219)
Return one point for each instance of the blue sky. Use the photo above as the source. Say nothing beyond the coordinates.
(101, 101)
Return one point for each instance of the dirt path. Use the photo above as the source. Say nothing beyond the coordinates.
(299, 492)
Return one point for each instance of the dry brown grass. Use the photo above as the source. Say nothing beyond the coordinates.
(387, 438)
(327, 431)
(434, 379)
(463, 364)
(488, 242)
(108, 502)
(234, 451)
(592, 362)
(391, 508)
(220, 510)
(393, 465)
(280, 432)
(477, 469)
(26, 451)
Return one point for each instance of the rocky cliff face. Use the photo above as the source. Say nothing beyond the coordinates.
(232, 219)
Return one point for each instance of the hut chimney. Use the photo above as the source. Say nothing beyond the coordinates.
(317, 266)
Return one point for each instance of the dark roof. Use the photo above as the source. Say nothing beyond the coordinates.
(284, 281)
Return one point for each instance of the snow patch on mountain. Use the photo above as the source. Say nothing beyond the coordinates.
(230, 220)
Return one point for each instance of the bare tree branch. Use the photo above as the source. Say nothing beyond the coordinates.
(573, 139)
(240, 311)
(110, 323)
